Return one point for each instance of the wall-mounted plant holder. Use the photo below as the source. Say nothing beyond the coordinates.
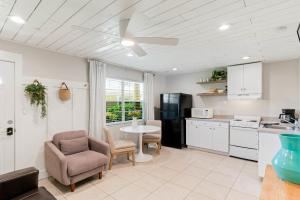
(37, 94)
(64, 93)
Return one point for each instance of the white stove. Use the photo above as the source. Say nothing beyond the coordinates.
(245, 121)
(244, 137)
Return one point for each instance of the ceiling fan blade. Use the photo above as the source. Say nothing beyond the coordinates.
(123, 25)
(138, 50)
(157, 40)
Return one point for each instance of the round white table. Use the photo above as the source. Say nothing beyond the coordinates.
(141, 129)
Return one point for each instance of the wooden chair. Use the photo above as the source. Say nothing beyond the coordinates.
(153, 138)
(119, 147)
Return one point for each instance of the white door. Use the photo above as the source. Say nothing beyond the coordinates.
(235, 79)
(7, 139)
(253, 78)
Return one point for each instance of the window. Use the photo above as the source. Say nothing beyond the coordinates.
(123, 97)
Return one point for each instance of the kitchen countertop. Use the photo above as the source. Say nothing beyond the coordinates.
(277, 131)
(273, 130)
(216, 118)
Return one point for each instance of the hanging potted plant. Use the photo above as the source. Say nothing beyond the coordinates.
(37, 94)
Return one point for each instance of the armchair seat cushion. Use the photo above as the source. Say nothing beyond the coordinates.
(151, 136)
(121, 144)
(85, 161)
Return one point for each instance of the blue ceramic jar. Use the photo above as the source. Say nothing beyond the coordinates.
(287, 161)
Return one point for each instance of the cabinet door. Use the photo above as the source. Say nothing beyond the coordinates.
(235, 79)
(190, 132)
(220, 139)
(269, 145)
(252, 78)
(204, 136)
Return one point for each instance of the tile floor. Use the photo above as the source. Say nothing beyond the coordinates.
(173, 175)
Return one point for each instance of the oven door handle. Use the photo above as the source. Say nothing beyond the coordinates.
(244, 129)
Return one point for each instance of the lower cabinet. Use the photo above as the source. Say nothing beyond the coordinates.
(208, 135)
(269, 145)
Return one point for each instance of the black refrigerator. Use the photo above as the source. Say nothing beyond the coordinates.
(174, 108)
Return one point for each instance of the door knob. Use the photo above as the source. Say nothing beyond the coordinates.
(9, 131)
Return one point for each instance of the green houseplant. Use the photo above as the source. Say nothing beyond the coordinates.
(134, 114)
(37, 94)
(219, 75)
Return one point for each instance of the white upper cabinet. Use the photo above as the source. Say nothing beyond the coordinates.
(245, 81)
(235, 79)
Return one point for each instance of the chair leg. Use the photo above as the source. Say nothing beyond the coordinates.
(72, 186)
(133, 158)
(110, 162)
(128, 156)
(158, 148)
(100, 175)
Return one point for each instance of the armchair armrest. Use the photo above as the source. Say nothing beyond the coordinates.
(99, 146)
(18, 182)
(56, 163)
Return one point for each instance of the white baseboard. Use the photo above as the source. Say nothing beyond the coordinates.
(43, 174)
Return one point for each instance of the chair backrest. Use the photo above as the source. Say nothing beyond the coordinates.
(109, 138)
(68, 135)
(154, 123)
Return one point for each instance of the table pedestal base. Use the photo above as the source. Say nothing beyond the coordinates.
(143, 157)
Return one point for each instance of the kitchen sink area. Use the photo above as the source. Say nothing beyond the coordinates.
(280, 127)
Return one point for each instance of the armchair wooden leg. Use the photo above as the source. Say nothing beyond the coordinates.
(72, 186)
(158, 148)
(100, 175)
(133, 158)
(110, 162)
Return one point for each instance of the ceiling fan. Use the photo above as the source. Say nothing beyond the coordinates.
(128, 40)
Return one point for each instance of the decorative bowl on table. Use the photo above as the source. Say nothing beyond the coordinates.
(287, 160)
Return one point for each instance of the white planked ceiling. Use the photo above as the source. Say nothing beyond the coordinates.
(75, 27)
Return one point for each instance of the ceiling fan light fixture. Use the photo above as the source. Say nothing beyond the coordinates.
(127, 43)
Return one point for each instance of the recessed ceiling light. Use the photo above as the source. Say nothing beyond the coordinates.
(224, 27)
(129, 54)
(17, 19)
(127, 43)
(1, 82)
(246, 57)
(174, 69)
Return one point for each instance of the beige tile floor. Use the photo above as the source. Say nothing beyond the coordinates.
(173, 175)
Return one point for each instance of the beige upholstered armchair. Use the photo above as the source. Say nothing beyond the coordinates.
(153, 138)
(73, 156)
(119, 147)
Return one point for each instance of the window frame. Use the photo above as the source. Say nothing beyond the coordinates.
(123, 102)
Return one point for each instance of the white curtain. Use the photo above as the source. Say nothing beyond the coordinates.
(97, 74)
(148, 96)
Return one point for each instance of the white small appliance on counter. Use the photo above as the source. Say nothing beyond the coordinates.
(244, 137)
(202, 113)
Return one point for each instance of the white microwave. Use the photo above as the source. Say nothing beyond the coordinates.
(203, 113)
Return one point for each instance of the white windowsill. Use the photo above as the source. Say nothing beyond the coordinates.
(112, 124)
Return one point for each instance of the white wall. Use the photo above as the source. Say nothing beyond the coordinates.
(280, 90)
(47, 64)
